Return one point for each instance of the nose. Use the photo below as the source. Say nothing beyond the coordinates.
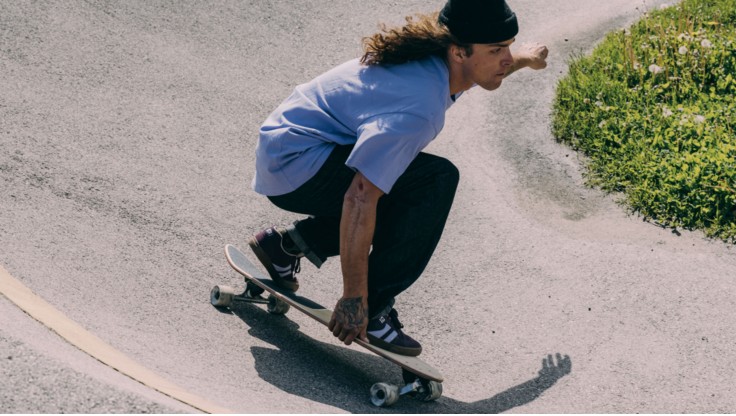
(508, 58)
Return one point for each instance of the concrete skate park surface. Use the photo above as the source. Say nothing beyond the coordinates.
(127, 142)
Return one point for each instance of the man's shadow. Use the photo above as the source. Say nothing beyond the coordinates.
(342, 376)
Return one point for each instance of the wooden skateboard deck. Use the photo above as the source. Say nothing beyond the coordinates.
(421, 380)
(245, 267)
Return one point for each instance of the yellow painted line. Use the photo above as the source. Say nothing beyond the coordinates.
(52, 318)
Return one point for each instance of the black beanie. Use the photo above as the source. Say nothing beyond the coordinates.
(479, 21)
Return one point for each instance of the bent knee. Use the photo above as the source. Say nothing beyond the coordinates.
(448, 173)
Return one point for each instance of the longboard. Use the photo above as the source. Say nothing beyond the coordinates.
(426, 383)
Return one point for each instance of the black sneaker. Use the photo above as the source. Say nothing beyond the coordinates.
(385, 332)
(281, 265)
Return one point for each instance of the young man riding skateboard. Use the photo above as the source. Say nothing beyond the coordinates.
(345, 149)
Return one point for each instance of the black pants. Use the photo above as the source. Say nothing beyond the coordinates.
(409, 224)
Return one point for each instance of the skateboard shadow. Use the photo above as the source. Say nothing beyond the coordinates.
(342, 376)
(300, 365)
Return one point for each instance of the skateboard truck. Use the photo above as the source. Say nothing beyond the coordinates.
(384, 394)
(224, 296)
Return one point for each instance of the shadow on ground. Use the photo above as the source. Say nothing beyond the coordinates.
(342, 377)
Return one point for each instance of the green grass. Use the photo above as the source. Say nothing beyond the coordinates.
(654, 109)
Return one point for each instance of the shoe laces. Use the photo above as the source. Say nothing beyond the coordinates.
(395, 318)
(297, 263)
(297, 266)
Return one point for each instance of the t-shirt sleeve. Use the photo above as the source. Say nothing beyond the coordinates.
(387, 144)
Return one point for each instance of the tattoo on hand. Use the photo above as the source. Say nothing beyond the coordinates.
(351, 312)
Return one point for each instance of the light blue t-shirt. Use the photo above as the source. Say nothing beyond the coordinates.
(390, 113)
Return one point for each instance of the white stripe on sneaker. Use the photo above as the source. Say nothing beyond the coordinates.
(283, 271)
(391, 337)
(380, 332)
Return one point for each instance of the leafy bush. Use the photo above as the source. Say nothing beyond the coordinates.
(654, 109)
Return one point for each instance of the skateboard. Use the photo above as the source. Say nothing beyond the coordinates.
(421, 380)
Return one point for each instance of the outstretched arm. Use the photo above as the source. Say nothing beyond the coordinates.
(529, 55)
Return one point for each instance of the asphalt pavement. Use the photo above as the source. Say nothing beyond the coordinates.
(127, 137)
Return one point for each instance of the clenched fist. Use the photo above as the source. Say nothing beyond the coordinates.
(531, 55)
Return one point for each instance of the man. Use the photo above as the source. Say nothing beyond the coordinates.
(345, 149)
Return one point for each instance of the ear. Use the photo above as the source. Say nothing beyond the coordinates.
(456, 53)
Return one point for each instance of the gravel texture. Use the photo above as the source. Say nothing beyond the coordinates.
(127, 135)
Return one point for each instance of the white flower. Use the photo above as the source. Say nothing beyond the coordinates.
(682, 50)
(706, 43)
(699, 119)
(602, 124)
(655, 69)
(666, 112)
(599, 104)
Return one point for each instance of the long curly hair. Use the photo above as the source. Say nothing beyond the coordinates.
(422, 36)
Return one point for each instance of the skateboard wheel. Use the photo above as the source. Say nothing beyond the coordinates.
(222, 296)
(383, 395)
(276, 306)
(432, 391)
